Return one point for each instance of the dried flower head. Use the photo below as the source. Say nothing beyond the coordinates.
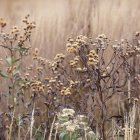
(2, 23)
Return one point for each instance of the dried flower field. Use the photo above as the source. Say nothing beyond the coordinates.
(69, 70)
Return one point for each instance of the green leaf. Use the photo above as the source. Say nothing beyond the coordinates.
(3, 74)
(64, 136)
(61, 136)
(11, 60)
(75, 135)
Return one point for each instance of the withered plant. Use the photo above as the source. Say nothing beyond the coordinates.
(96, 77)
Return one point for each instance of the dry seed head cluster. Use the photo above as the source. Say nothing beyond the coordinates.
(37, 86)
(57, 63)
(74, 45)
(42, 61)
(59, 58)
(35, 53)
(92, 58)
(17, 37)
(74, 84)
(75, 61)
(132, 51)
(15, 31)
(27, 30)
(81, 46)
(2, 23)
(11, 69)
(66, 91)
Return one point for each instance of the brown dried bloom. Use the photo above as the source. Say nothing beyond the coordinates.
(92, 58)
(2, 22)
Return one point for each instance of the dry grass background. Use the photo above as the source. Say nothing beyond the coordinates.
(58, 19)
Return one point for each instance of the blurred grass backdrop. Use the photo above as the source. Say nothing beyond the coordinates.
(59, 19)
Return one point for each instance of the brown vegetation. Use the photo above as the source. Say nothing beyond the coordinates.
(95, 76)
